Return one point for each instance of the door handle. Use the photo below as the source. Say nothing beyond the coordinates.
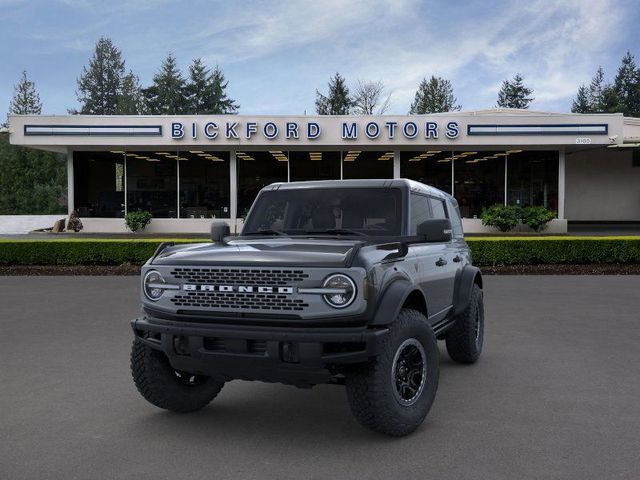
(457, 258)
(441, 262)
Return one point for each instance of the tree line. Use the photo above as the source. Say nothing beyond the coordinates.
(106, 87)
(622, 95)
(35, 182)
(434, 95)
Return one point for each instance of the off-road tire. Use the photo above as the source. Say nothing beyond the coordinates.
(371, 387)
(464, 342)
(160, 384)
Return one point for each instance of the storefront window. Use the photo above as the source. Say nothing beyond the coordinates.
(532, 178)
(431, 167)
(364, 164)
(256, 170)
(479, 180)
(99, 184)
(314, 166)
(152, 183)
(204, 184)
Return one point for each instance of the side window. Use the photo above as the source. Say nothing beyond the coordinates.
(419, 212)
(437, 206)
(456, 223)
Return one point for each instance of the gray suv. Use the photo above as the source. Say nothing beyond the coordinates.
(345, 282)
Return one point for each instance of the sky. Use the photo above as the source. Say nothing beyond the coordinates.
(275, 54)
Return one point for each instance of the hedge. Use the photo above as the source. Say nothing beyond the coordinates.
(485, 250)
(554, 250)
(80, 251)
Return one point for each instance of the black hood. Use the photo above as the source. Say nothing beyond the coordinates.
(263, 252)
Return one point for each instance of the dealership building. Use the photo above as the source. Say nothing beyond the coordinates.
(188, 170)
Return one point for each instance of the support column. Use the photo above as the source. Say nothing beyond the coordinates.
(288, 167)
(70, 193)
(126, 192)
(233, 189)
(396, 164)
(506, 184)
(178, 187)
(453, 175)
(561, 183)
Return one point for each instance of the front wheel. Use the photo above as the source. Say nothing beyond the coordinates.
(393, 393)
(165, 387)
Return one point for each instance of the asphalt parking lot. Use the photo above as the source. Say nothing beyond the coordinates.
(555, 395)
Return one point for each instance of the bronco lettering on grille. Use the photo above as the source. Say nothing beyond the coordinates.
(237, 288)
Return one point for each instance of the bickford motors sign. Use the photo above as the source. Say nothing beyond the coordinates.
(232, 131)
(291, 130)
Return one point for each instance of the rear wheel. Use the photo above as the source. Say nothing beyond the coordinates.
(165, 387)
(393, 393)
(466, 337)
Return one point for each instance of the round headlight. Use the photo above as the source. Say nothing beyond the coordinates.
(150, 285)
(343, 290)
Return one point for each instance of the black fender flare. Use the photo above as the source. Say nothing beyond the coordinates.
(464, 284)
(391, 301)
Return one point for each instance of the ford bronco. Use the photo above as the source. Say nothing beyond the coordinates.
(344, 282)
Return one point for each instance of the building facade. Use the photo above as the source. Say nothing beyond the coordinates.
(188, 170)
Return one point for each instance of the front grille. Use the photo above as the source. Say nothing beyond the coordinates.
(238, 301)
(237, 276)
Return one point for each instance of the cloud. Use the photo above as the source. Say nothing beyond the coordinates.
(277, 53)
(276, 26)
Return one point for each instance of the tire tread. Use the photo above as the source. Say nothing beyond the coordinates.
(460, 339)
(152, 376)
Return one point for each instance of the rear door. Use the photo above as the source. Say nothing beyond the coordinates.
(430, 270)
(447, 261)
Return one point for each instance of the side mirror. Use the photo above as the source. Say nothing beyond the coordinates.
(435, 230)
(219, 230)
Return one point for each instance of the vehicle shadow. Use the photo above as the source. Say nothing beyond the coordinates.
(246, 410)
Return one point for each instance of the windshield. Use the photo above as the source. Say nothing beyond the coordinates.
(331, 211)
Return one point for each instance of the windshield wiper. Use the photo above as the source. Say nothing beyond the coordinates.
(266, 231)
(336, 231)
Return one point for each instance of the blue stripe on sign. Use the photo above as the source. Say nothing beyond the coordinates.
(548, 129)
(94, 130)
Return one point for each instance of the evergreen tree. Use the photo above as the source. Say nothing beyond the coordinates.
(596, 88)
(222, 103)
(581, 103)
(31, 181)
(130, 101)
(206, 92)
(609, 101)
(99, 85)
(166, 96)
(600, 97)
(514, 93)
(434, 95)
(627, 86)
(337, 101)
(26, 100)
(197, 90)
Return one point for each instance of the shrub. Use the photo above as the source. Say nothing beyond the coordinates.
(486, 251)
(503, 217)
(74, 223)
(537, 217)
(79, 251)
(137, 220)
(554, 250)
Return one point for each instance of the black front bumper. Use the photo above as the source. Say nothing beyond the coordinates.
(299, 356)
